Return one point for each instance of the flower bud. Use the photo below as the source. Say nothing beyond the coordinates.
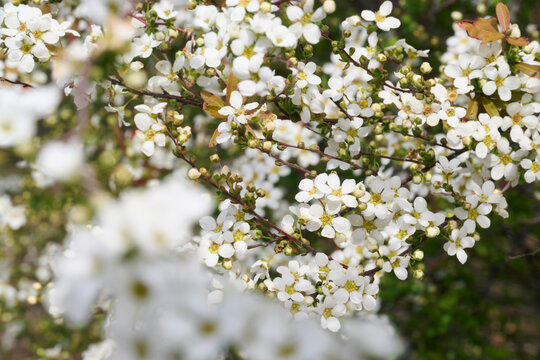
(418, 255)
(267, 146)
(265, 7)
(358, 192)
(329, 6)
(227, 264)
(404, 82)
(381, 58)
(432, 231)
(288, 250)
(515, 30)
(194, 174)
(425, 68)
(270, 126)
(407, 124)
(456, 15)
(481, 8)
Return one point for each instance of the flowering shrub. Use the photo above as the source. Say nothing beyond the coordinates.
(315, 180)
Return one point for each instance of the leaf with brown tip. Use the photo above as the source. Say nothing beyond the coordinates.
(213, 140)
(518, 41)
(529, 69)
(212, 104)
(232, 85)
(490, 107)
(481, 29)
(472, 110)
(503, 15)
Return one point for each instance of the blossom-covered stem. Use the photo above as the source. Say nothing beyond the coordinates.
(343, 110)
(271, 241)
(259, 219)
(371, 154)
(185, 32)
(279, 2)
(164, 95)
(317, 151)
(284, 162)
(430, 141)
(373, 271)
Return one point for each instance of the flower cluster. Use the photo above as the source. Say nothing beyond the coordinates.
(28, 35)
(329, 172)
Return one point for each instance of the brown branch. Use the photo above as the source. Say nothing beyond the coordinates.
(16, 82)
(163, 95)
(183, 31)
(532, 253)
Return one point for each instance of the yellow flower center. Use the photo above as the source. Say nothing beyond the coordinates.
(375, 199)
(238, 236)
(368, 225)
(473, 214)
(506, 159)
(326, 219)
(351, 286)
(379, 18)
(289, 289)
(214, 248)
(337, 192)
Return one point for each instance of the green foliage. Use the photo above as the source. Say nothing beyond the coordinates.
(485, 309)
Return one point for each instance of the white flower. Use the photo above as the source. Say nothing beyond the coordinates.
(303, 19)
(399, 265)
(331, 309)
(281, 36)
(476, 214)
(487, 132)
(318, 217)
(468, 67)
(341, 192)
(504, 164)
(519, 116)
(459, 241)
(310, 190)
(305, 74)
(533, 169)
(237, 110)
(150, 131)
(60, 160)
(225, 132)
(381, 18)
(501, 81)
(12, 216)
(144, 45)
(21, 110)
(165, 10)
